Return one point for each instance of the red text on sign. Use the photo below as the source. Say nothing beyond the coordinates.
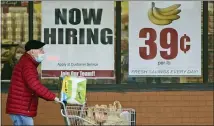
(168, 40)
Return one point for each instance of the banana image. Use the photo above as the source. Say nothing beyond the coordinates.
(156, 21)
(163, 16)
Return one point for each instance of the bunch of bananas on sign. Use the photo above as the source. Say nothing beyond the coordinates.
(164, 16)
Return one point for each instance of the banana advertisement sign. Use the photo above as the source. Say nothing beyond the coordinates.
(73, 90)
(165, 38)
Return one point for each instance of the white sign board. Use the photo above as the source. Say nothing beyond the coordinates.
(165, 38)
(79, 37)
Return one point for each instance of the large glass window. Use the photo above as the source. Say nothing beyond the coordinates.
(37, 36)
(124, 51)
(14, 31)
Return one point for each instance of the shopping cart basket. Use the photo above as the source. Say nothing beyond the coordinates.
(80, 115)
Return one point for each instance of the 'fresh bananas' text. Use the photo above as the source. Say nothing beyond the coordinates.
(84, 28)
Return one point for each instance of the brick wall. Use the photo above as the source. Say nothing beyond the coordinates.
(153, 108)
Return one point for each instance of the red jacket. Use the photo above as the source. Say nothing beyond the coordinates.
(25, 88)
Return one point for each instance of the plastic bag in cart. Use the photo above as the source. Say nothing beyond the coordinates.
(73, 90)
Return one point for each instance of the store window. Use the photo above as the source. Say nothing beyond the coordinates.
(14, 31)
(37, 35)
(125, 51)
(14, 26)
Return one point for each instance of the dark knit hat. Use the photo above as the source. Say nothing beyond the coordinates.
(33, 44)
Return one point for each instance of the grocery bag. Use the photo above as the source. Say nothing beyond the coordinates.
(73, 90)
(115, 115)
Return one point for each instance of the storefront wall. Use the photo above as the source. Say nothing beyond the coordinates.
(152, 108)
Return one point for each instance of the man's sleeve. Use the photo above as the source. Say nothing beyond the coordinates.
(30, 75)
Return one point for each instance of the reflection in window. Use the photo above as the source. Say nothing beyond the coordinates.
(14, 31)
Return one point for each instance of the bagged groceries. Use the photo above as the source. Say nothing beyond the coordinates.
(114, 115)
(107, 115)
(73, 90)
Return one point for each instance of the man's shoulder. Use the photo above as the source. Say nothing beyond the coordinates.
(25, 63)
(25, 60)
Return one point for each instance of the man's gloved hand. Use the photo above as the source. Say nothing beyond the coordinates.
(56, 99)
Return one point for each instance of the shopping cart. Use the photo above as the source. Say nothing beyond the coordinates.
(80, 115)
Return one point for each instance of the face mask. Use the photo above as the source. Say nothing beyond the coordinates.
(18, 56)
(40, 58)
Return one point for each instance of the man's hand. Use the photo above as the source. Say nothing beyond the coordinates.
(56, 99)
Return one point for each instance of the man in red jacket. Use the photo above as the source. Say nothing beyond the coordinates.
(25, 87)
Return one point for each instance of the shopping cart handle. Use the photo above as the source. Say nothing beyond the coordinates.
(63, 104)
